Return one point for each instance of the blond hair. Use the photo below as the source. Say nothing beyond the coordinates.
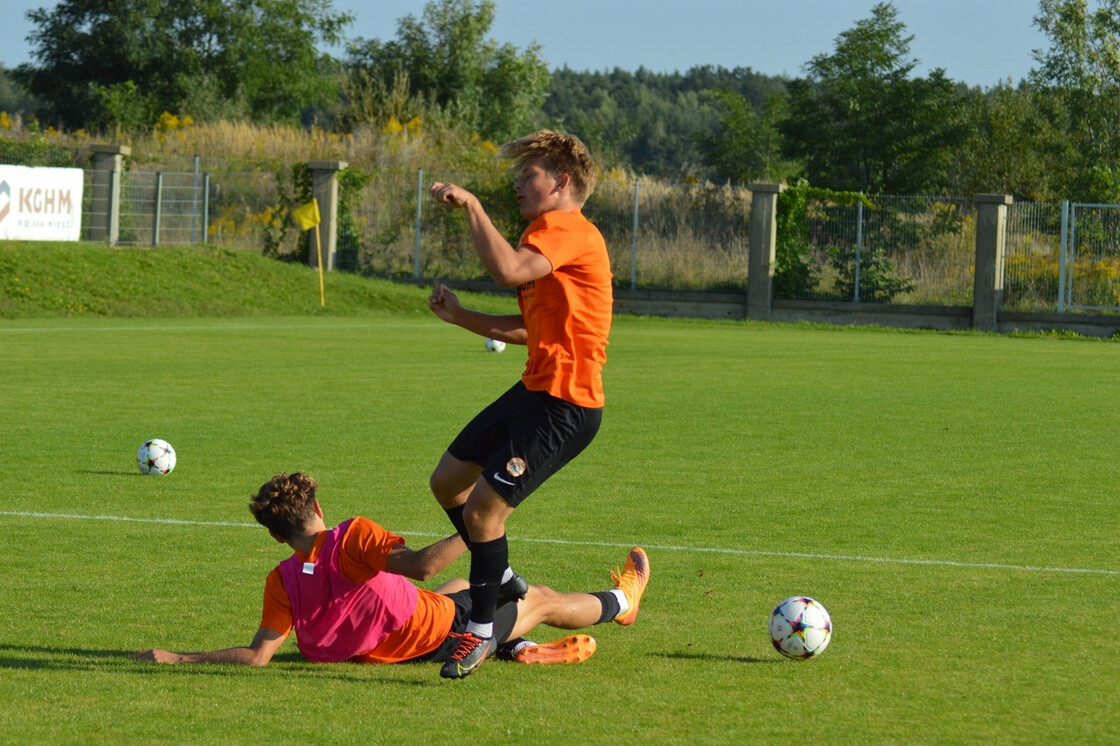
(285, 504)
(560, 153)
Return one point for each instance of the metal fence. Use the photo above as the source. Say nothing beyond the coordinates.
(901, 249)
(921, 250)
(233, 207)
(688, 237)
(155, 207)
(158, 207)
(1032, 254)
(95, 206)
(682, 237)
(391, 230)
(243, 212)
(1089, 265)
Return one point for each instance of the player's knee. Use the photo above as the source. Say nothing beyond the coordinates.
(541, 595)
(482, 523)
(544, 606)
(444, 485)
(436, 484)
(550, 594)
(451, 480)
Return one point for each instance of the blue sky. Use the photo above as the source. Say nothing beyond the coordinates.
(978, 42)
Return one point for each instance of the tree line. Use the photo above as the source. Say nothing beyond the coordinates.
(858, 119)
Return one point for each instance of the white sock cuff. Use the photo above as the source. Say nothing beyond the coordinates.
(480, 630)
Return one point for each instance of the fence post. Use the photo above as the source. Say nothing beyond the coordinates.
(324, 188)
(763, 246)
(987, 293)
(194, 201)
(156, 207)
(419, 221)
(859, 245)
(634, 243)
(205, 208)
(1063, 252)
(107, 166)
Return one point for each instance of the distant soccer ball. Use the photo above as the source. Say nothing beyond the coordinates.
(156, 457)
(800, 627)
(495, 345)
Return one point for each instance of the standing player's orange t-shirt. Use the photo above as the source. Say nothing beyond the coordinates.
(363, 550)
(568, 312)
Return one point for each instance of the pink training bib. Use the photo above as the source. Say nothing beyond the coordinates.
(335, 618)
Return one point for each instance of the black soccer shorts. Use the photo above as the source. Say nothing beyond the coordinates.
(523, 438)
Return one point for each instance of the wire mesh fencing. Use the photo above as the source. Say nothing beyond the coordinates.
(158, 207)
(890, 248)
(1090, 270)
(244, 213)
(674, 236)
(1062, 257)
(95, 206)
(392, 231)
(1032, 254)
(686, 237)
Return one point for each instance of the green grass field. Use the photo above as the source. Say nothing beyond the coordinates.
(950, 498)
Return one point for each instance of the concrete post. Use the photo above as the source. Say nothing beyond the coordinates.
(104, 219)
(763, 245)
(987, 291)
(324, 188)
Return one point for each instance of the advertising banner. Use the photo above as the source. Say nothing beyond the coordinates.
(40, 204)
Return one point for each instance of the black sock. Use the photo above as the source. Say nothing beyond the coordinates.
(611, 607)
(456, 516)
(489, 560)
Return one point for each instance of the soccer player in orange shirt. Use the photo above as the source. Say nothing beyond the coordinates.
(344, 591)
(562, 273)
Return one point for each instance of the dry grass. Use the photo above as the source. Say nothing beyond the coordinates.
(175, 140)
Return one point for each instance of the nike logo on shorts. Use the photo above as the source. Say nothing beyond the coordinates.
(503, 480)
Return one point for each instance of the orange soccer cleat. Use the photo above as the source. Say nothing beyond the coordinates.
(570, 649)
(632, 582)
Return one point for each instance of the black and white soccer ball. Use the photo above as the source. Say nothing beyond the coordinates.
(156, 457)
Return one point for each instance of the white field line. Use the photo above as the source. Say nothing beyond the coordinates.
(615, 545)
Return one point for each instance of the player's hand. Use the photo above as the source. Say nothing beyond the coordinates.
(156, 656)
(450, 194)
(444, 303)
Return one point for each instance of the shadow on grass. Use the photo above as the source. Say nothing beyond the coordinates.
(113, 472)
(718, 658)
(287, 665)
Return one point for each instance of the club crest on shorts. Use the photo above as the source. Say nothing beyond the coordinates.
(516, 466)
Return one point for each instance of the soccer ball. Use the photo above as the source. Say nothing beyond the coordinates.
(800, 627)
(495, 345)
(156, 457)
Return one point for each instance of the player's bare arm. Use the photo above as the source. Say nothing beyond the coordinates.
(258, 653)
(506, 265)
(422, 564)
(508, 328)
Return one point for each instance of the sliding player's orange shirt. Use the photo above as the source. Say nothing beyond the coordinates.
(362, 553)
(567, 312)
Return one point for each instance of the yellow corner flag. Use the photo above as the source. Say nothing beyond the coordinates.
(306, 216)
